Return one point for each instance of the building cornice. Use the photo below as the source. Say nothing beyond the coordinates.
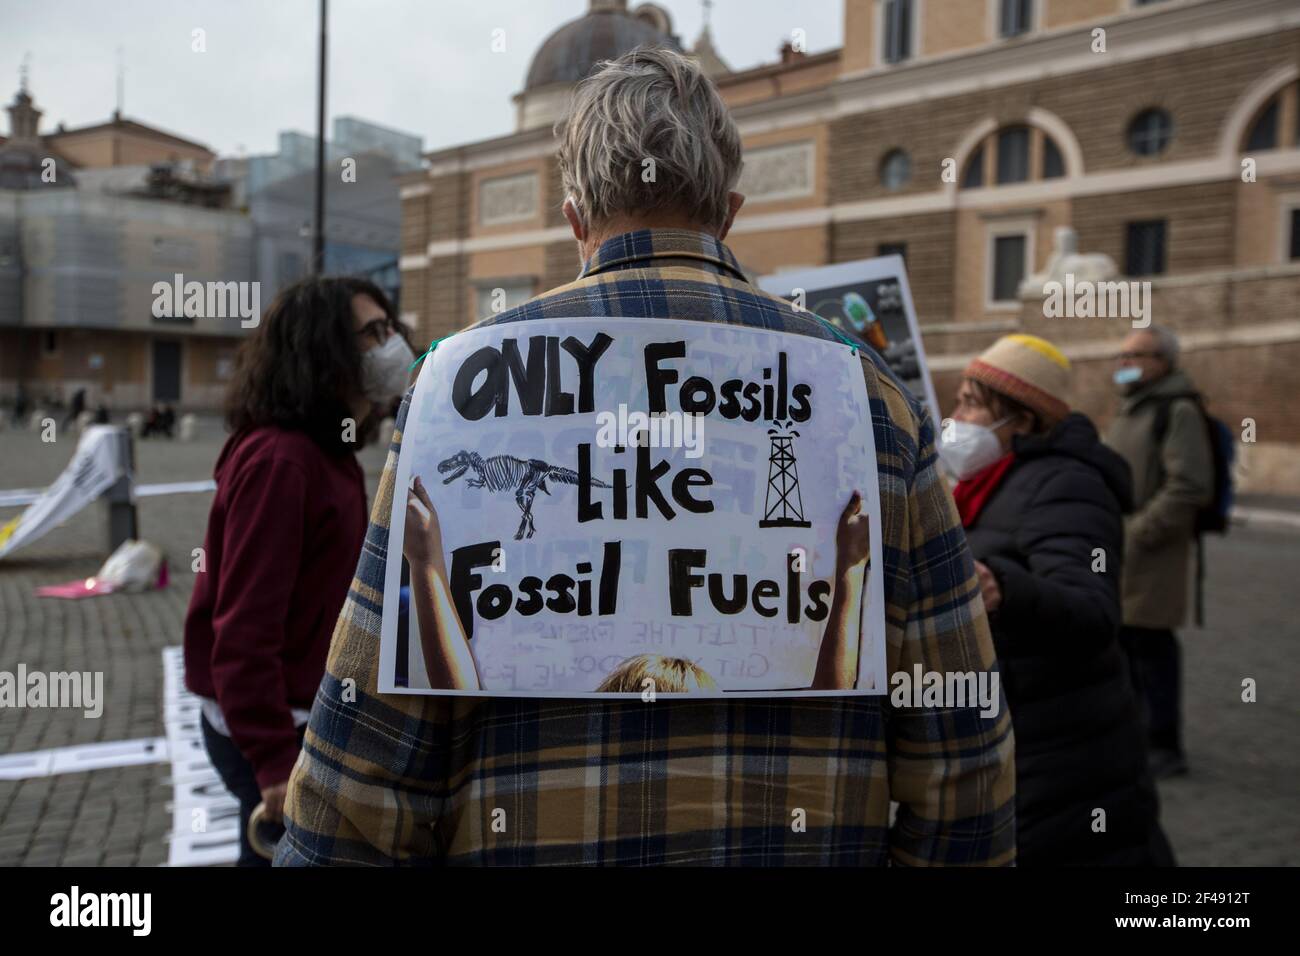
(1134, 35)
(528, 144)
(1023, 197)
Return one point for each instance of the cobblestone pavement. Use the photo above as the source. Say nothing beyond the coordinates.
(1237, 806)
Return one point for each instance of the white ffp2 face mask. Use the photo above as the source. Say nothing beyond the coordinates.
(386, 369)
(966, 448)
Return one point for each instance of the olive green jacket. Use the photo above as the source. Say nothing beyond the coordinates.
(1171, 482)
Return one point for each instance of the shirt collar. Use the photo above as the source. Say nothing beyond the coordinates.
(644, 247)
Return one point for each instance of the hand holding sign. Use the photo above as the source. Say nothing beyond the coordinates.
(852, 538)
(422, 539)
(447, 656)
(837, 658)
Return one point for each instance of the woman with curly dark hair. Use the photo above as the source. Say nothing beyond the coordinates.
(286, 526)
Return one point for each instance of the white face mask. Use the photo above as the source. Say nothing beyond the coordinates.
(386, 369)
(1127, 377)
(966, 448)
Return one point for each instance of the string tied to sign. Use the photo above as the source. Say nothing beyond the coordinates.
(837, 332)
(427, 352)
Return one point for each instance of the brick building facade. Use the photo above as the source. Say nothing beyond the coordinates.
(966, 132)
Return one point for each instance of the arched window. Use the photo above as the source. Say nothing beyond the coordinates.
(1263, 133)
(974, 177)
(1020, 154)
(1013, 155)
(1150, 132)
(896, 169)
(1053, 164)
(1269, 129)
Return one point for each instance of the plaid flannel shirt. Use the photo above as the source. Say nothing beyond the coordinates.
(386, 779)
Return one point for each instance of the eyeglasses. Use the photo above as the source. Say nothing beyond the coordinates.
(379, 329)
(1124, 356)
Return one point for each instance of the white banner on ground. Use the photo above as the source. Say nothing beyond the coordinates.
(96, 464)
(205, 817)
(597, 503)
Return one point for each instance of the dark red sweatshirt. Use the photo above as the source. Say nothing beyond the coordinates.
(283, 540)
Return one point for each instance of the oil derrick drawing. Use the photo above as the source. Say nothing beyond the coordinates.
(784, 505)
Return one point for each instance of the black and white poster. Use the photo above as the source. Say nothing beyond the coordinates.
(633, 507)
(869, 300)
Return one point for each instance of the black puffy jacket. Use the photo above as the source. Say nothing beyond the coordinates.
(1052, 533)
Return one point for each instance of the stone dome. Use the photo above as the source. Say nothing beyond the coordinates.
(605, 32)
(25, 155)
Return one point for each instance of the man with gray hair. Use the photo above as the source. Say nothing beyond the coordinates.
(650, 158)
(1160, 430)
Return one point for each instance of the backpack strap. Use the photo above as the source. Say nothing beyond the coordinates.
(1159, 430)
(1163, 403)
(1200, 581)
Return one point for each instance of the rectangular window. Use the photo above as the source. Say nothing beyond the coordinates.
(897, 30)
(1145, 252)
(1017, 17)
(50, 343)
(1295, 233)
(893, 249)
(1008, 266)
(1013, 155)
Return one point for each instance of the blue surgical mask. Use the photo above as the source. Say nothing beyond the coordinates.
(1129, 375)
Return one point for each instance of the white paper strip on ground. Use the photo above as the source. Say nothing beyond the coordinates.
(175, 488)
(205, 817)
(19, 497)
(83, 757)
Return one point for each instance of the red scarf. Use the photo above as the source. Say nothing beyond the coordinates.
(972, 493)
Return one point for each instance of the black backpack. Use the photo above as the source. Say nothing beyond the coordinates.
(1215, 516)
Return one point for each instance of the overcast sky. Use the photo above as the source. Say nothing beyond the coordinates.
(422, 66)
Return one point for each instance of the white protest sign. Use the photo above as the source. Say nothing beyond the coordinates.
(632, 506)
(96, 464)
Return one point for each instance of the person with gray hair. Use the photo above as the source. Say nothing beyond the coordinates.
(648, 142)
(650, 158)
(1160, 431)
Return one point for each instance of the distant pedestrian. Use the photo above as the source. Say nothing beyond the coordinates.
(1042, 502)
(286, 526)
(21, 406)
(1160, 430)
(76, 408)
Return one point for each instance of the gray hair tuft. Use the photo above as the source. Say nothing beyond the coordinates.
(650, 110)
(1166, 344)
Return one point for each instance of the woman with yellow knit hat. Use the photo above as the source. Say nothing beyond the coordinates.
(1042, 502)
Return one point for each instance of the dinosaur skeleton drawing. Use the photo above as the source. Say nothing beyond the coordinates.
(507, 473)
